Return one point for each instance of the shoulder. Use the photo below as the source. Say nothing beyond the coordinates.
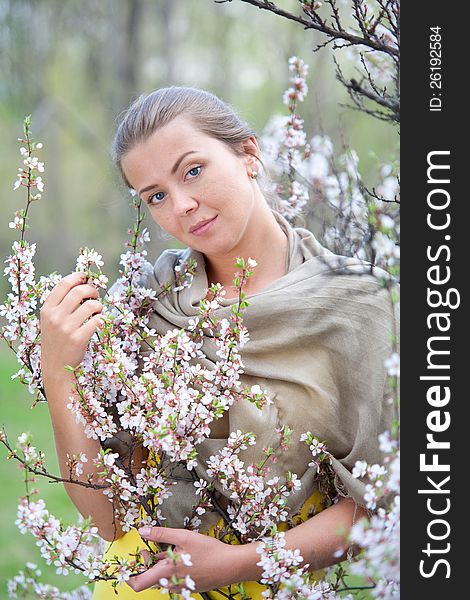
(349, 274)
(362, 293)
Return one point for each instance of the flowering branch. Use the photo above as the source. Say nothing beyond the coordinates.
(356, 222)
(33, 462)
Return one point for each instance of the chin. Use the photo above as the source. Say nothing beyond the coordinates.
(219, 250)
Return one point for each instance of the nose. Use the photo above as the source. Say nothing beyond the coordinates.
(183, 203)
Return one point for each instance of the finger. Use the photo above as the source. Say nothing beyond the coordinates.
(64, 286)
(151, 559)
(151, 577)
(75, 297)
(167, 535)
(89, 328)
(146, 556)
(85, 311)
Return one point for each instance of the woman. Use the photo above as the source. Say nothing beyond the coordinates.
(320, 329)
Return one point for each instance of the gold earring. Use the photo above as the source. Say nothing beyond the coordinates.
(254, 174)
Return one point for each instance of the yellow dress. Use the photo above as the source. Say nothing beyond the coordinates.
(130, 541)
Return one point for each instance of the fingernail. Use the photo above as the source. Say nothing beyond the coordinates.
(144, 531)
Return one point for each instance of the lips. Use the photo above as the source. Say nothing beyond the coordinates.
(201, 226)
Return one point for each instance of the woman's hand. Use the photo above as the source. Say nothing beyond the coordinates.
(64, 332)
(214, 564)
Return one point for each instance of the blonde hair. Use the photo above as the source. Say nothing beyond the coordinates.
(151, 111)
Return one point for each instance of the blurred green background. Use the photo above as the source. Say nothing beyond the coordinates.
(17, 416)
(75, 66)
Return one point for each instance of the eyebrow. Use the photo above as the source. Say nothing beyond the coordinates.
(173, 170)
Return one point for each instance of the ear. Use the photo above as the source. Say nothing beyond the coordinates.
(252, 153)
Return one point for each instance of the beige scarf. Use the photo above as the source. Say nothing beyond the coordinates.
(319, 337)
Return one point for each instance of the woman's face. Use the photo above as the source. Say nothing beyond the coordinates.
(197, 189)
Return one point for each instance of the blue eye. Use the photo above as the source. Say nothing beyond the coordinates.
(156, 198)
(194, 172)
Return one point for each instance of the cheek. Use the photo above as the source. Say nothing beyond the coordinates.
(225, 193)
(163, 220)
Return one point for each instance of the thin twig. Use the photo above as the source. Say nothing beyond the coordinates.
(43, 473)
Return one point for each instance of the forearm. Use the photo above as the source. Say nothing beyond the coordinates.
(70, 439)
(322, 540)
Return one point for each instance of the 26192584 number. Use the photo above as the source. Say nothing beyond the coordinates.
(435, 67)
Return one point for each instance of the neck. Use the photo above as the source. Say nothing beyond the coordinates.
(264, 241)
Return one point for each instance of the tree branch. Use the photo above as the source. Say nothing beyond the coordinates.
(319, 25)
(44, 473)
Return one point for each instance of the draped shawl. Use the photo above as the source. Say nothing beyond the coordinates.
(319, 337)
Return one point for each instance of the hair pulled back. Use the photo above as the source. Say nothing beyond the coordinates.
(151, 111)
